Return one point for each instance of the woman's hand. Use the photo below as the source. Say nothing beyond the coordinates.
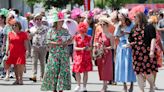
(151, 54)
(126, 45)
(108, 48)
(88, 48)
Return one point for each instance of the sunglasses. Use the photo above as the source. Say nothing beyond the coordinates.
(14, 26)
(12, 17)
(103, 24)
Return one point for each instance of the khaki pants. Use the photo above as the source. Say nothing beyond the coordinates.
(38, 54)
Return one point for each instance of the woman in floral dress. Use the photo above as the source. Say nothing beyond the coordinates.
(57, 74)
(82, 56)
(142, 40)
(2, 25)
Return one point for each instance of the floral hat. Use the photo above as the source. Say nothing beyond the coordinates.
(4, 12)
(83, 27)
(75, 13)
(55, 16)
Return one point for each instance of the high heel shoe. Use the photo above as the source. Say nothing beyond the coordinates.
(104, 89)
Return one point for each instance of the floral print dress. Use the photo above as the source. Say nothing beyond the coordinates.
(57, 72)
(142, 63)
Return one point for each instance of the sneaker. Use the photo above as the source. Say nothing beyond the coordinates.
(2, 76)
(11, 75)
(6, 79)
(84, 89)
(77, 89)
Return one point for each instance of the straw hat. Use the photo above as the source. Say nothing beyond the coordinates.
(105, 19)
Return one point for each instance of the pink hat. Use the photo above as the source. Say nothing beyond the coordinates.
(75, 13)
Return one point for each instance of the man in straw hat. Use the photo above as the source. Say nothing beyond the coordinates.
(38, 34)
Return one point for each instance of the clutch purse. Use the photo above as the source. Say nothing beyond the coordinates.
(98, 53)
(65, 38)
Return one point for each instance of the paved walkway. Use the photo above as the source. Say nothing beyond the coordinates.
(94, 85)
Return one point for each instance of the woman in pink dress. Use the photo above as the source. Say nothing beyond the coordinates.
(16, 51)
(82, 56)
(104, 44)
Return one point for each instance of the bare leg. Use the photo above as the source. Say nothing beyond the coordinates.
(7, 69)
(131, 87)
(150, 79)
(21, 70)
(125, 87)
(85, 79)
(140, 79)
(104, 89)
(16, 73)
(78, 78)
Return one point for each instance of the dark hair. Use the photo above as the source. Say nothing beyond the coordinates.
(161, 15)
(16, 11)
(19, 25)
(54, 25)
(128, 21)
(142, 19)
(4, 18)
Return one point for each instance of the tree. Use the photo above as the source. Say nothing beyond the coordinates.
(31, 3)
(113, 3)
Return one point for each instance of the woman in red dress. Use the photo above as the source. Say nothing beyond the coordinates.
(82, 55)
(104, 44)
(16, 51)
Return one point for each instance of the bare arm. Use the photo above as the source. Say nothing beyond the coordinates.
(152, 47)
(160, 29)
(77, 48)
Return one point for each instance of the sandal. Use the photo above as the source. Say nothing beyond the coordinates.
(21, 82)
(16, 83)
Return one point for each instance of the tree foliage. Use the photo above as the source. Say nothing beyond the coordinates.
(113, 3)
(32, 2)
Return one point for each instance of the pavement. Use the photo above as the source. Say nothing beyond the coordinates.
(94, 85)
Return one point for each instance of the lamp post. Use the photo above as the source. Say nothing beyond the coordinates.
(10, 5)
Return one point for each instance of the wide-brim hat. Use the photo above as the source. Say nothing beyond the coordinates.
(105, 19)
(4, 12)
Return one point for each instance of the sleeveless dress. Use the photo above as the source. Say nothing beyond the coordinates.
(82, 59)
(105, 64)
(57, 72)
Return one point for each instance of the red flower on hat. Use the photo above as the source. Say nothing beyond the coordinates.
(83, 27)
(60, 15)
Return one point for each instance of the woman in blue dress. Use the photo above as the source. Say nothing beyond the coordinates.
(123, 69)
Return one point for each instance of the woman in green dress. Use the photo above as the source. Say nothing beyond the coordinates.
(57, 74)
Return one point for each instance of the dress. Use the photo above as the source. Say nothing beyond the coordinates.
(1, 43)
(105, 64)
(124, 67)
(1, 53)
(57, 72)
(142, 63)
(17, 49)
(82, 59)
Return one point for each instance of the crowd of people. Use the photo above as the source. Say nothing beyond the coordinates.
(125, 45)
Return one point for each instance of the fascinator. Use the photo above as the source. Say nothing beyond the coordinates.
(75, 13)
(83, 27)
(4, 12)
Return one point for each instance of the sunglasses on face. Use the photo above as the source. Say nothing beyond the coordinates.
(14, 26)
(12, 17)
(103, 24)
